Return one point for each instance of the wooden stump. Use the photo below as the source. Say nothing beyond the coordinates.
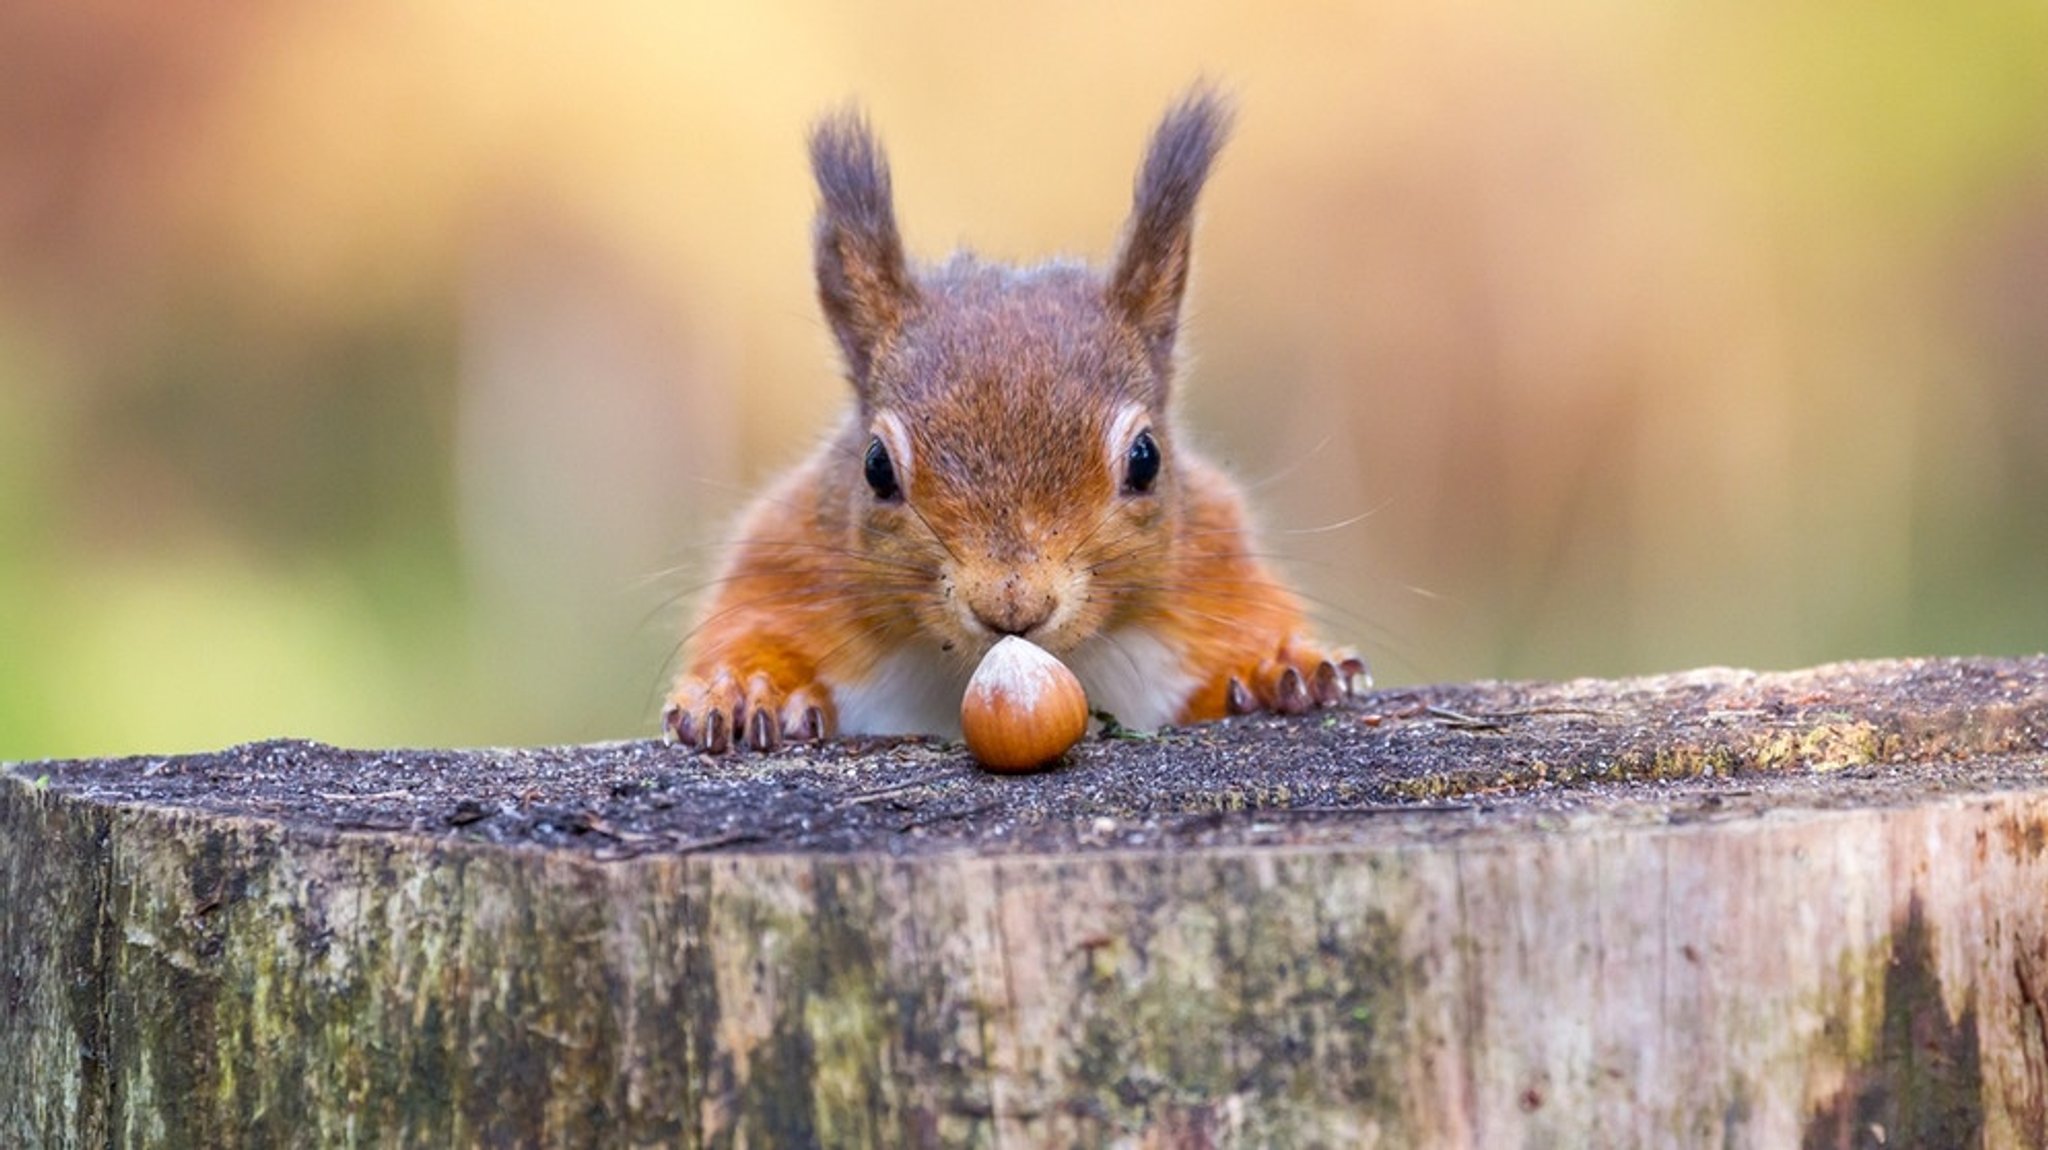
(1716, 908)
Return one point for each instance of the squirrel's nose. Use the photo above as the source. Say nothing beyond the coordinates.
(1014, 607)
(1015, 618)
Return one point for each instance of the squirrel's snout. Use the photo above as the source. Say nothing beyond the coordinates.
(1012, 604)
(1015, 614)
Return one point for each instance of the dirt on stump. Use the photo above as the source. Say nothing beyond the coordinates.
(1404, 764)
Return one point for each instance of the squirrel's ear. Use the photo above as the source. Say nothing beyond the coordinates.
(863, 280)
(1152, 268)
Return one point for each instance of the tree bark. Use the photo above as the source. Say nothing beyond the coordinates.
(1717, 908)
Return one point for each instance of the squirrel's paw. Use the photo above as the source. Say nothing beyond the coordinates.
(716, 713)
(1299, 677)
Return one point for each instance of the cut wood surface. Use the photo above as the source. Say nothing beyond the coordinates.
(1713, 908)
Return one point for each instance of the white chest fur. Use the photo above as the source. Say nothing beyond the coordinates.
(1133, 674)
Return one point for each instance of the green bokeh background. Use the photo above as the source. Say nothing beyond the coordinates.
(387, 373)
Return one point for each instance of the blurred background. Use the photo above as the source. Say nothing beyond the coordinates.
(386, 373)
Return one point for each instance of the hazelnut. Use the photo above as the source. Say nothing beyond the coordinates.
(1023, 708)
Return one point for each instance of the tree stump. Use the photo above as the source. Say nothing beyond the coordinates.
(1715, 908)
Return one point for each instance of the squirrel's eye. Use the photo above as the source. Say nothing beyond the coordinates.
(881, 474)
(1141, 463)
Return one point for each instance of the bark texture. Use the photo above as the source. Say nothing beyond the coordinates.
(1710, 909)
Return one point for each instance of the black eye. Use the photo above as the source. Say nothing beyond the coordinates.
(1141, 463)
(881, 474)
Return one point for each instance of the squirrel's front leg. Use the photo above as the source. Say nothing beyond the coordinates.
(756, 694)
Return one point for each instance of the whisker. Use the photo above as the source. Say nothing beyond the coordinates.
(1109, 637)
(1339, 525)
(768, 495)
(879, 625)
(1383, 643)
(871, 580)
(1207, 588)
(658, 577)
(1101, 521)
(1293, 466)
(855, 595)
(875, 612)
(849, 553)
(933, 531)
(663, 674)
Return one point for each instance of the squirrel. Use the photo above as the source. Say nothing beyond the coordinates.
(1009, 466)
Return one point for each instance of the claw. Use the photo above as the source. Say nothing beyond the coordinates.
(717, 732)
(1290, 695)
(1238, 699)
(1356, 676)
(1327, 685)
(762, 733)
(723, 710)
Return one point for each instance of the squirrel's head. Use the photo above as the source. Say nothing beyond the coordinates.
(1013, 454)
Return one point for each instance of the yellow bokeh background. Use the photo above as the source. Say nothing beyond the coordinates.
(387, 373)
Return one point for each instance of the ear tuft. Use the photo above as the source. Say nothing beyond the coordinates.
(1151, 272)
(864, 282)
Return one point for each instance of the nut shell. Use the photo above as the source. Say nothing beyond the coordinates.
(1023, 707)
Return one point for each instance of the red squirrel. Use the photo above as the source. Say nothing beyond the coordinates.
(1009, 466)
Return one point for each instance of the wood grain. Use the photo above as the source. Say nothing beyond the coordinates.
(1834, 935)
